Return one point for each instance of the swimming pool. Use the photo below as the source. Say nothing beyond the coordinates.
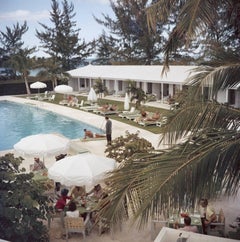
(20, 120)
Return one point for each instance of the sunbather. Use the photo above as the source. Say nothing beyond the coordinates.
(104, 107)
(154, 117)
(38, 165)
(90, 134)
(113, 107)
(141, 117)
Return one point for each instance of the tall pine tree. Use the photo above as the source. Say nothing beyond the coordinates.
(62, 41)
(130, 40)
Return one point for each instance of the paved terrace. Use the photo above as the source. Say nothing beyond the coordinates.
(230, 205)
(96, 147)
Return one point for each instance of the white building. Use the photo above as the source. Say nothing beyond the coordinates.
(148, 77)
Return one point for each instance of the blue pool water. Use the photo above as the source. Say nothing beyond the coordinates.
(19, 120)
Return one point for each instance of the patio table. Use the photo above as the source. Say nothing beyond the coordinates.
(177, 218)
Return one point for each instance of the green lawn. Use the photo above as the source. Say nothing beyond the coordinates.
(120, 104)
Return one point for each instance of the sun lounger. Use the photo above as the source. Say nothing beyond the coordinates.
(89, 108)
(162, 121)
(148, 123)
(63, 102)
(133, 116)
(92, 139)
(109, 112)
(125, 113)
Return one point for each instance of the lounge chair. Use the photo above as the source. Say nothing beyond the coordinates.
(133, 116)
(125, 113)
(93, 139)
(78, 105)
(89, 108)
(45, 97)
(52, 98)
(108, 112)
(63, 102)
(148, 122)
(162, 121)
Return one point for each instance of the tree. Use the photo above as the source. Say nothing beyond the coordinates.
(52, 70)
(136, 93)
(129, 41)
(22, 205)
(124, 148)
(62, 41)
(206, 161)
(11, 42)
(99, 87)
(23, 63)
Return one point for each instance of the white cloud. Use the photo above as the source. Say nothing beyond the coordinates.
(19, 15)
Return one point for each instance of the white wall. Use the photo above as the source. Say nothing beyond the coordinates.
(171, 235)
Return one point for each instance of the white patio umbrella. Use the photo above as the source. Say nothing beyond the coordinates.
(82, 169)
(38, 85)
(126, 102)
(63, 89)
(92, 96)
(42, 145)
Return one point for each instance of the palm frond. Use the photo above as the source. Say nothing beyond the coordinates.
(175, 178)
(216, 78)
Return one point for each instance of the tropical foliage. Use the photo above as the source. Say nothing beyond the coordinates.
(22, 207)
(14, 55)
(123, 148)
(99, 87)
(203, 135)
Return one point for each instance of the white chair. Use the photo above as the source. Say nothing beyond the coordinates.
(45, 97)
(162, 121)
(76, 225)
(80, 104)
(52, 98)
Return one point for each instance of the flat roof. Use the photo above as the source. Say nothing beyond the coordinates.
(145, 73)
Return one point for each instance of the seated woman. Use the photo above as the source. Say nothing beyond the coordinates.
(208, 214)
(97, 191)
(78, 192)
(38, 165)
(90, 134)
(154, 117)
(62, 201)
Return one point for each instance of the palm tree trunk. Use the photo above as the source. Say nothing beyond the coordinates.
(26, 84)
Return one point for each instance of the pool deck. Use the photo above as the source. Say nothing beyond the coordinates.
(230, 205)
(96, 146)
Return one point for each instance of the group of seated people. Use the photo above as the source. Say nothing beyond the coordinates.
(208, 216)
(78, 196)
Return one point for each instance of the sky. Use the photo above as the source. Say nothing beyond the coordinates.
(35, 11)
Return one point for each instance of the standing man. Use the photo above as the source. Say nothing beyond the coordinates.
(108, 130)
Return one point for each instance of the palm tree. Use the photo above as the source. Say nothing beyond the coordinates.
(203, 135)
(23, 63)
(51, 69)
